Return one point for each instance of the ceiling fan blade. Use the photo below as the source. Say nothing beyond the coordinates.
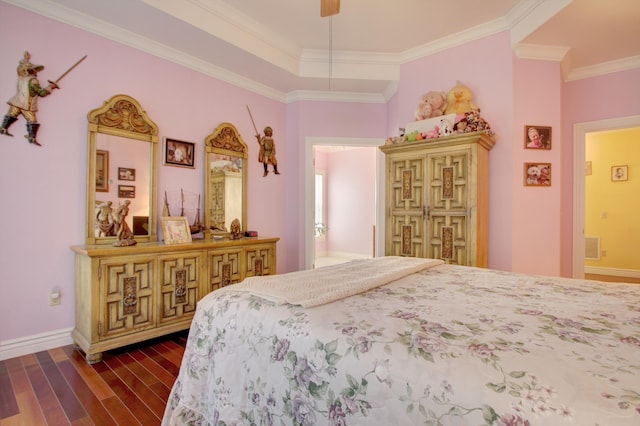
(329, 7)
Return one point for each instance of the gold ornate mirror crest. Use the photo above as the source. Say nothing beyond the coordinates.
(122, 152)
(225, 180)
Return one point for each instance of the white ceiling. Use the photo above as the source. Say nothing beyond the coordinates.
(285, 50)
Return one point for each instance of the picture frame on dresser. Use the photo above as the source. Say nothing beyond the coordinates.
(176, 230)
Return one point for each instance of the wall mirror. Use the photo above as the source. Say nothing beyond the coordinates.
(225, 180)
(123, 145)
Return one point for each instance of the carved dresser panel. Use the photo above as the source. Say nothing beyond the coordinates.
(126, 295)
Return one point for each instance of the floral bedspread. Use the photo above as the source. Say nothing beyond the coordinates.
(450, 345)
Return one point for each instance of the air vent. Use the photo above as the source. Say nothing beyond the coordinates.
(592, 248)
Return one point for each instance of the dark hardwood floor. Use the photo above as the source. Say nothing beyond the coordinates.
(57, 387)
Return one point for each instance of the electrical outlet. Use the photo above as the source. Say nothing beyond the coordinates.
(54, 297)
(603, 253)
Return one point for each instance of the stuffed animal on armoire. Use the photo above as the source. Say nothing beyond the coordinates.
(460, 100)
(432, 104)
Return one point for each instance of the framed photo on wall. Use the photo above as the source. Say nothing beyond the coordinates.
(175, 230)
(102, 170)
(126, 191)
(537, 137)
(619, 173)
(537, 174)
(179, 153)
(125, 173)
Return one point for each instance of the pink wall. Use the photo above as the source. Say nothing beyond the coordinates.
(592, 99)
(351, 180)
(486, 67)
(44, 188)
(320, 119)
(536, 210)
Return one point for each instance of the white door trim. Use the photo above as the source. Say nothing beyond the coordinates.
(309, 190)
(580, 131)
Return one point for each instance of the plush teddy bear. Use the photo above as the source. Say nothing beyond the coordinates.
(460, 100)
(432, 104)
(533, 174)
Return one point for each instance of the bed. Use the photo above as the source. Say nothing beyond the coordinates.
(428, 343)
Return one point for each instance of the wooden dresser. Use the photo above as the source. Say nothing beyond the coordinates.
(128, 294)
(437, 198)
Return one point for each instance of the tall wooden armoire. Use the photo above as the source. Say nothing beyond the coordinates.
(437, 198)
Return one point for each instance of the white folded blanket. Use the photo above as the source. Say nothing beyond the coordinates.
(319, 286)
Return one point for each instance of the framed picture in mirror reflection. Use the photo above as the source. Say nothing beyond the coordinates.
(102, 170)
(179, 153)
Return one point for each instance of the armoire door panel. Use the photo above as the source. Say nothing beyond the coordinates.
(448, 239)
(407, 184)
(449, 181)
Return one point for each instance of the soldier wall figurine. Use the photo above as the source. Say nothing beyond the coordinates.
(25, 101)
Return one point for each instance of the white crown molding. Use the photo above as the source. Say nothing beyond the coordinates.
(136, 41)
(531, 15)
(215, 17)
(220, 20)
(541, 52)
(349, 65)
(457, 39)
(619, 65)
(328, 96)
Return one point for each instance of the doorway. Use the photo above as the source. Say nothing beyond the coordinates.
(579, 158)
(310, 194)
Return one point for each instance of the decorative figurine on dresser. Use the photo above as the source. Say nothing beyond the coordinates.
(127, 293)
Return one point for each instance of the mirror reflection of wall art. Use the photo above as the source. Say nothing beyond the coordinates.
(175, 230)
(126, 191)
(619, 173)
(102, 171)
(537, 137)
(126, 174)
(537, 174)
(179, 153)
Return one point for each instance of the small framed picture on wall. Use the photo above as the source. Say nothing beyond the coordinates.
(537, 137)
(537, 174)
(125, 173)
(179, 153)
(619, 173)
(126, 191)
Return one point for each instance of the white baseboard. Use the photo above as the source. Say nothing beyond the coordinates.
(35, 343)
(344, 255)
(632, 273)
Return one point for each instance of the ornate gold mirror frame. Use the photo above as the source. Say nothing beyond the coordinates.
(121, 165)
(225, 180)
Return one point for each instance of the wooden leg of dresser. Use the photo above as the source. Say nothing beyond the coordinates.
(93, 358)
(89, 358)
